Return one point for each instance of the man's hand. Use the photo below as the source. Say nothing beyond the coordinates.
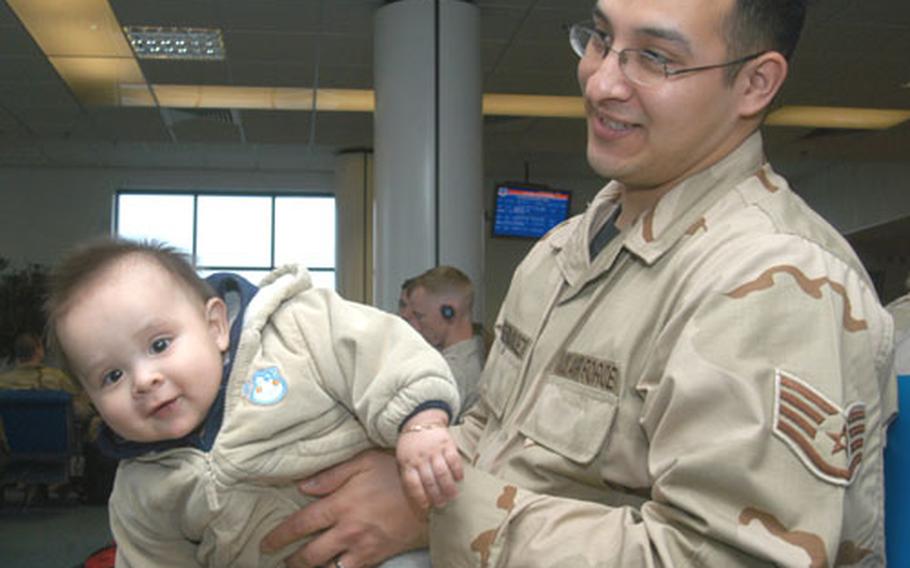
(363, 512)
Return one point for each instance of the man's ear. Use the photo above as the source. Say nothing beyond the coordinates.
(216, 317)
(760, 81)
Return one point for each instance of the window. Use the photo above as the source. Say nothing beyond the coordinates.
(249, 234)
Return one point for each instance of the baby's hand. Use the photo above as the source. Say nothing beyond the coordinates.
(429, 460)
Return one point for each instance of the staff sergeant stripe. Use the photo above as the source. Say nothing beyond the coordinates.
(799, 421)
(827, 439)
(806, 409)
(816, 458)
(809, 394)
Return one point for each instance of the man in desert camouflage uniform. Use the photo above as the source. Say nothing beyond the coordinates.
(695, 372)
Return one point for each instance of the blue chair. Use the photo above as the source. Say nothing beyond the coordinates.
(41, 435)
(897, 481)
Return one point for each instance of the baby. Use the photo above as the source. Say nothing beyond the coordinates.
(217, 396)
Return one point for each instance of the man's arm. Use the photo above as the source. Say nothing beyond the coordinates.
(363, 512)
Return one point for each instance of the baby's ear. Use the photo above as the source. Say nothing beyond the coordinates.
(216, 317)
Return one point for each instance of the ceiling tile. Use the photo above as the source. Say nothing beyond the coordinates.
(853, 54)
(158, 71)
(298, 48)
(18, 96)
(144, 125)
(275, 15)
(27, 70)
(500, 24)
(208, 131)
(276, 127)
(344, 129)
(15, 40)
(168, 13)
(352, 17)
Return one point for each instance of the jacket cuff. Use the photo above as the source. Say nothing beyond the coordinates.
(439, 404)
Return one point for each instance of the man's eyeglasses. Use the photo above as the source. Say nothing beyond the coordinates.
(641, 66)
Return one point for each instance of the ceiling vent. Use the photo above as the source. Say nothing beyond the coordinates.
(223, 115)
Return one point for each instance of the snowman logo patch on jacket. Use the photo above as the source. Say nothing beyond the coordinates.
(266, 387)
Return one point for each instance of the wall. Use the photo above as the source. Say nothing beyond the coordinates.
(852, 195)
(502, 255)
(45, 211)
(856, 197)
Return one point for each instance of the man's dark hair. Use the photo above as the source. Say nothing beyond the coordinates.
(90, 260)
(756, 25)
(764, 25)
(25, 346)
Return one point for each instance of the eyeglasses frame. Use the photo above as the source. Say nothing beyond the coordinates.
(589, 27)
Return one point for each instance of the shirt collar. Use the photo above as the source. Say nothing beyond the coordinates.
(659, 228)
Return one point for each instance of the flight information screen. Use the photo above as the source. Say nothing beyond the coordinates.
(528, 212)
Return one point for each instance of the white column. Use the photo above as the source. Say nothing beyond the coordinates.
(428, 143)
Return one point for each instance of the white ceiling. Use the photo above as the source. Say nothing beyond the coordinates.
(853, 53)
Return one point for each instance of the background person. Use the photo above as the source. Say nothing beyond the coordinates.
(404, 308)
(697, 370)
(30, 373)
(442, 302)
(93, 475)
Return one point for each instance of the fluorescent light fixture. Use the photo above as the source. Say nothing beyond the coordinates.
(339, 100)
(256, 98)
(155, 42)
(533, 105)
(74, 28)
(837, 117)
(84, 42)
(100, 81)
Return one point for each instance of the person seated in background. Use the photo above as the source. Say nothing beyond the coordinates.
(30, 373)
(404, 308)
(216, 394)
(442, 300)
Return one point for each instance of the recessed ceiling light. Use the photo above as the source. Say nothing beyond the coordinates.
(151, 42)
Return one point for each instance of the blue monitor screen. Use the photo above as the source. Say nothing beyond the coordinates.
(529, 212)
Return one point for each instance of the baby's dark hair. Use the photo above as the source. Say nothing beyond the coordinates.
(88, 260)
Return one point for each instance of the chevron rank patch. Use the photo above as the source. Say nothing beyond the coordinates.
(826, 438)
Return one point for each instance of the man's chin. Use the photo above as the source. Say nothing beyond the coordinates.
(606, 168)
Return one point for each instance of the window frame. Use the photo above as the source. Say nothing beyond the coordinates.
(272, 195)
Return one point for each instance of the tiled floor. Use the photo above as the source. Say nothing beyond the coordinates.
(51, 535)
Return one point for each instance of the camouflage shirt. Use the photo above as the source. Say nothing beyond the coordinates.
(710, 390)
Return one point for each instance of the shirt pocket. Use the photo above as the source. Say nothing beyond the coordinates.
(571, 419)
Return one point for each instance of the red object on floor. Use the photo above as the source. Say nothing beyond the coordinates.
(102, 558)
